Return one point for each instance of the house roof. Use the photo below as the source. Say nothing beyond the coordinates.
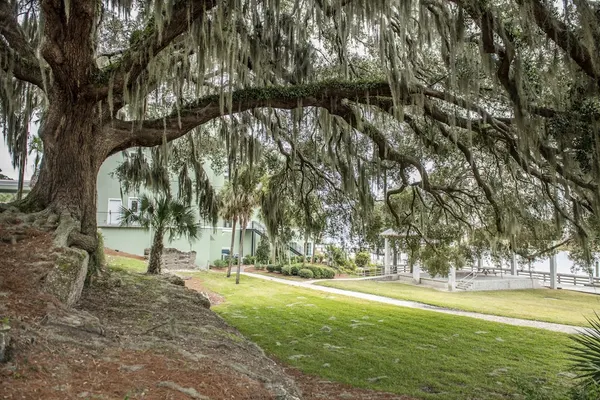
(11, 186)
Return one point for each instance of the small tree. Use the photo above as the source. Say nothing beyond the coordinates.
(263, 251)
(164, 215)
(362, 259)
(230, 212)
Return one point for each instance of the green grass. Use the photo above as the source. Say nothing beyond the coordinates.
(559, 306)
(413, 352)
(125, 263)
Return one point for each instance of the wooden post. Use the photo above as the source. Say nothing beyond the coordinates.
(386, 260)
(553, 271)
(513, 264)
(452, 279)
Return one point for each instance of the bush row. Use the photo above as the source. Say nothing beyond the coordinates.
(319, 271)
(316, 271)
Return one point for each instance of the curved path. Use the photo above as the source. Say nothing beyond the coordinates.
(413, 304)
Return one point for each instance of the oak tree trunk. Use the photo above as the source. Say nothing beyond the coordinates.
(230, 260)
(73, 154)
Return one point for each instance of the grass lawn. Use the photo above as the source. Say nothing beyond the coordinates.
(405, 351)
(560, 306)
(413, 352)
(128, 264)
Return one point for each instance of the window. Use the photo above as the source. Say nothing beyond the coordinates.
(227, 224)
(134, 204)
(308, 249)
(224, 253)
(114, 212)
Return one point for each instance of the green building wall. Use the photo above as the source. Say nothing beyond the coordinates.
(134, 240)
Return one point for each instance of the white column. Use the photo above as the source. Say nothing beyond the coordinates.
(386, 260)
(452, 279)
(513, 264)
(597, 270)
(553, 271)
(480, 263)
(417, 273)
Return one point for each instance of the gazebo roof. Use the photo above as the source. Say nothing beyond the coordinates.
(392, 233)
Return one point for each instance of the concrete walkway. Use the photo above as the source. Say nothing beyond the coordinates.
(413, 304)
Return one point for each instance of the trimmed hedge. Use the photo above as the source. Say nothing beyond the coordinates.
(319, 271)
(271, 268)
(305, 273)
(295, 269)
(278, 268)
(287, 270)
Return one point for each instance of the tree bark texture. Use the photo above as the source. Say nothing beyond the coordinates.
(154, 264)
(243, 222)
(230, 258)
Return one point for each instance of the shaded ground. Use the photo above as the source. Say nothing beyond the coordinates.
(111, 252)
(132, 336)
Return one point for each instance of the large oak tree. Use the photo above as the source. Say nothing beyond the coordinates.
(507, 91)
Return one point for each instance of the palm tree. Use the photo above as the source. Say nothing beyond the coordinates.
(229, 212)
(164, 215)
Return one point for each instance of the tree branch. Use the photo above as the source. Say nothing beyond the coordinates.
(125, 134)
(16, 54)
(135, 60)
(559, 32)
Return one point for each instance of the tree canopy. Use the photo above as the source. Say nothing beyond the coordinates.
(484, 114)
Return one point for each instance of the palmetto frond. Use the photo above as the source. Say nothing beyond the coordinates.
(163, 213)
(586, 352)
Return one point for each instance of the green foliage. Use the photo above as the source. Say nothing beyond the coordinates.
(163, 213)
(362, 259)
(278, 267)
(220, 263)
(438, 258)
(585, 391)
(319, 257)
(305, 273)
(249, 260)
(295, 268)
(586, 353)
(271, 267)
(319, 271)
(287, 270)
(7, 197)
(337, 257)
(263, 251)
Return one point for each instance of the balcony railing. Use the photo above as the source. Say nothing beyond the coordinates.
(111, 219)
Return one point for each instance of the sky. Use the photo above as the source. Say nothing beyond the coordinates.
(6, 165)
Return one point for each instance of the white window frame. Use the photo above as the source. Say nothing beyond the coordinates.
(109, 220)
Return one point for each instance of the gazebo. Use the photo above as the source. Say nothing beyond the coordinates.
(416, 272)
(390, 233)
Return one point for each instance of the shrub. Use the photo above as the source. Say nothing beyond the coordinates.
(362, 259)
(320, 271)
(220, 263)
(278, 267)
(249, 260)
(586, 353)
(263, 251)
(585, 391)
(287, 270)
(295, 269)
(305, 273)
(271, 267)
(319, 257)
